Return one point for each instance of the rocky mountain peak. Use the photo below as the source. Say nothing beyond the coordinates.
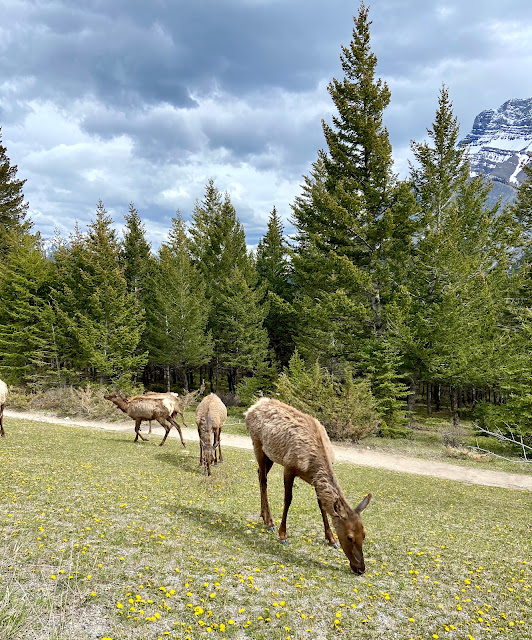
(499, 145)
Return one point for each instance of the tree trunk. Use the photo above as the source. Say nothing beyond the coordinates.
(456, 427)
(167, 376)
(411, 401)
(429, 399)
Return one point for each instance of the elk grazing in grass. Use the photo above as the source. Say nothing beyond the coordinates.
(142, 408)
(301, 445)
(3, 396)
(211, 414)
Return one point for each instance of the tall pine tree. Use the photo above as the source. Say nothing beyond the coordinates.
(274, 271)
(28, 346)
(101, 320)
(218, 248)
(139, 264)
(179, 311)
(354, 232)
(460, 277)
(13, 208)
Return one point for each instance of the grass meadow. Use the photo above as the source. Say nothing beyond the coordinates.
(101, 538)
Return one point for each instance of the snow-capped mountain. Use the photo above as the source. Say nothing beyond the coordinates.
(499, 144)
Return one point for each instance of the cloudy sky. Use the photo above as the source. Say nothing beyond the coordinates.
(130, 100)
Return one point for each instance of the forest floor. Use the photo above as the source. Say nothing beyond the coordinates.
(354, 454)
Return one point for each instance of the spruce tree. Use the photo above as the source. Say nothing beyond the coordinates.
(28, 347)
(13, 208)
(218, 241)
(139, 264)
(241, 342)
(99, 316)
(460, 277)
(178, 316)
(274, 271)
(218, 248)
(136, 254)
(354, 229)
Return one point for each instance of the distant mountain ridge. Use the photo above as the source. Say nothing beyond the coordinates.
(499, 143)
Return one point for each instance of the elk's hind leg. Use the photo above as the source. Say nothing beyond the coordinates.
(289, 477)
(178, 427)
(218, 448)
(166, 430)
(265, 464)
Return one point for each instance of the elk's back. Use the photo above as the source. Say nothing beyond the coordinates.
(288, 436)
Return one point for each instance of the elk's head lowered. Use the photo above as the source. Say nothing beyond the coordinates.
(350, 530)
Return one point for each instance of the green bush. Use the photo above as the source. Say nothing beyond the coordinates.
(346, 409)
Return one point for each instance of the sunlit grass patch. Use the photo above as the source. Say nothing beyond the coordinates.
(104, 538)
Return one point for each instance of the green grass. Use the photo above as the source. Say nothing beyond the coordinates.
(103, 538)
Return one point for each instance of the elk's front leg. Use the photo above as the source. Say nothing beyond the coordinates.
(289, 477)
(138, 422)
(329, 535)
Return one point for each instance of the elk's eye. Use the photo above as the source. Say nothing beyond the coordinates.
(350, 538)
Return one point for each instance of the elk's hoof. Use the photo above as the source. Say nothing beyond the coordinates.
(334, 545)
(283, 541)
(271, 528)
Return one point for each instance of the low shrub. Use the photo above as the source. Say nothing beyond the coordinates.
(346, 409)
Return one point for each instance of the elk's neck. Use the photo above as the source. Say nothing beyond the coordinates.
(121, 404)
(328, 490)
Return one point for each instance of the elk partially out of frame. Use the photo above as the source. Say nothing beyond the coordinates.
(141, 408)
(3, 396)
(301, 445)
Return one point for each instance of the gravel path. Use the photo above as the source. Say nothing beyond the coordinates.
(344, 453)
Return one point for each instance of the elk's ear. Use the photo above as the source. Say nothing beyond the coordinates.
(364, 503)
(339, 509)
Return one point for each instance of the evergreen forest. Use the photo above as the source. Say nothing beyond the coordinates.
(391, 293)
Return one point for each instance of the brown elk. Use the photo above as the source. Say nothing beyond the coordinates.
(3, 396)
(210, 417)
(180, 403)
(141, 408)
(301, 445)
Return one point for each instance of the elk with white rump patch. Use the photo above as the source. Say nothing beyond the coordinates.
(142, 408)
(301, 445)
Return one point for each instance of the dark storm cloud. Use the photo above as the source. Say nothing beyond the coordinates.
(139, 52)
(134, 100)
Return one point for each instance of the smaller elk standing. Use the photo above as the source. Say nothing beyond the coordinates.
(141, 408)
(210, 417)
(180, 402)
(3, 396)
(300, 443)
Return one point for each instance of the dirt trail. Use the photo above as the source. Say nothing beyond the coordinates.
(344, 453)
